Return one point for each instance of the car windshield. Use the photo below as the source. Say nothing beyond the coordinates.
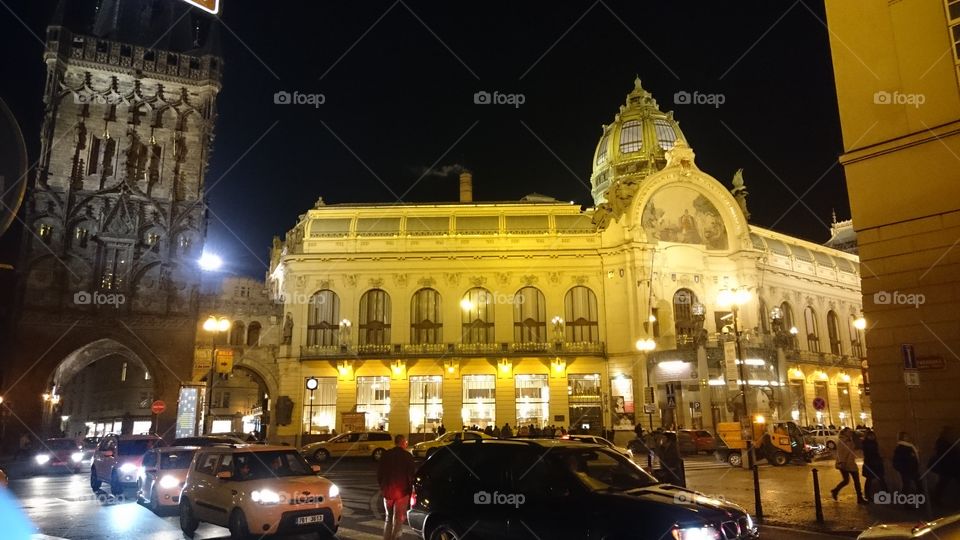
(61, 444)
(259, 465)
(176, 460)
(136, 447)
(601, 469)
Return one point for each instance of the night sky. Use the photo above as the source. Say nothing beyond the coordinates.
(399, 78)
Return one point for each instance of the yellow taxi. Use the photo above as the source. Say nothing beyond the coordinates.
(258, 489)
(351, 444)
(428, 448)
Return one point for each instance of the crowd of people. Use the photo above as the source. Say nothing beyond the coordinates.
(532, 431)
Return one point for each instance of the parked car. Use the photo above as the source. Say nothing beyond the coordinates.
(258, 488)
(60, 455)
(117, 460)
(495, 488)
(208, 440)
(162, 474)
(595, 439)
(428, 448)
(944, 528)
(694, 441)
(352, 444)
(826, 437)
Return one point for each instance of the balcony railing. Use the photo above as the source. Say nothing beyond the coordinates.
(405, 350)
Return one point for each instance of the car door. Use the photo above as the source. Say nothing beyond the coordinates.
(205, 483)
(546, 502)
(223, 492)
(362, 446)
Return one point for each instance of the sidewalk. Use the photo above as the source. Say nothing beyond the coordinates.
(787, 497)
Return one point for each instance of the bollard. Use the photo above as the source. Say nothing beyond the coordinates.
(816, 496)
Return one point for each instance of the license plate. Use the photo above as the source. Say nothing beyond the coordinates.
(306, 520)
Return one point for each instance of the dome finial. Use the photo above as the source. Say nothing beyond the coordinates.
(636, 83)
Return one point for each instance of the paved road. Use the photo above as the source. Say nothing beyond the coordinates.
(63, 506)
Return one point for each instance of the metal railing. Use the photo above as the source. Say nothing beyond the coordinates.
(405, 350)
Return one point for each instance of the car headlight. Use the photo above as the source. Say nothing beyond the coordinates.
(334, 491)
(168, 482)
(696, 533)
(42, 459)
(265, 496)
(128, 468)
(76, 457)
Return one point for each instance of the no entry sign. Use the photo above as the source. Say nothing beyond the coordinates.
(158, 407)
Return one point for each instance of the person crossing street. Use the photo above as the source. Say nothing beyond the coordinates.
(395, 477)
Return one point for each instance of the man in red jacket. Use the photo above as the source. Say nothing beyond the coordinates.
(395, 476)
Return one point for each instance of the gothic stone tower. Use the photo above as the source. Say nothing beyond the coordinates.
(115, 214)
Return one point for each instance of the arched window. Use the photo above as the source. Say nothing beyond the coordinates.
(810, 324)
(529, 316)
(323, 318)
(683, 317)
(425, 323)
(631, 136)
(833, 331)
(580, 313)
(237, 334)
(789, 322)
(253, 334)
(857, 345)
(764, 318)
(477, 316)
(374, 318)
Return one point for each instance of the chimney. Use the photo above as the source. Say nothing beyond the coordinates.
(466, 186)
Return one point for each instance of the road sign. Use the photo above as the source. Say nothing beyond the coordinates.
(909, 356)
(158, 406)
(648, 394)
(212, 6)
(819, 403)
(649, 408)
(224, 361)
(911, 378)
(931, 362)
(730, 365)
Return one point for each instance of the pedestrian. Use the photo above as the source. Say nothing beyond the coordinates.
(906, 461)
(24, 449)
(505, 431)
(523, 431)
(495, 431)
(441, 430)
(670, 461)
(395, 476)
(945, 462)
(873, 474)
(847, 465)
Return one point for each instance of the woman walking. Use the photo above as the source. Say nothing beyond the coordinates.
(847, 465)
(873, 474)
(906, 460)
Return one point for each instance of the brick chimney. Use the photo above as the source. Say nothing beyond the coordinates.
(466, 186)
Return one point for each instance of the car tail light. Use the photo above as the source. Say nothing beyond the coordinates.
(413, 498)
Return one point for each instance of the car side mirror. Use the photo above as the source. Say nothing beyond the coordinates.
(107, 453)
(225, 475)
(315, 468)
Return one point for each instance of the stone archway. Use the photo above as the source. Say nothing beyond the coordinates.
(242, 403)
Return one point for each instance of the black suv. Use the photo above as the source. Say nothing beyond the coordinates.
(501, 489)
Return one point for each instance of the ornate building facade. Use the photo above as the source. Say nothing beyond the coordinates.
(115, 216)
(535, 312)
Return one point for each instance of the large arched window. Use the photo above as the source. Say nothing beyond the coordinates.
(374, 318)
(425, 323)
(238, 334)
(580, 313)
(833, 332)
(529, 316)
(764, 318)
(477, 316)
(631, 136)
(857, 345)
(323, 318)
(810, 325)
(683, 315)
(789, 322)
(253, 334)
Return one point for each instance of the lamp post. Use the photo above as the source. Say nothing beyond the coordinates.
(312, 384)
(734, 299)
(214, 326)
(646, 346)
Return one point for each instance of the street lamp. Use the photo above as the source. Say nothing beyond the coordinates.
(312, 384)
(214, 326)
(734, 299)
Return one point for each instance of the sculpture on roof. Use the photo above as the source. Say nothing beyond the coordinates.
(739, 192)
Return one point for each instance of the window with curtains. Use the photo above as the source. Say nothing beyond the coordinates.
(320, 412)
(426, 325)
(476, 308)
(533, 399)
(426, 403)
(810, 324)
(374, 318)
(529, 316)
(373, 398)
(479, 400)
(833, 332)
(323, 318)
(580, 314)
